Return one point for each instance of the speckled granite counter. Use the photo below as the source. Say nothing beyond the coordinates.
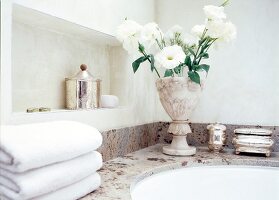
(118, 174)
(119, 142)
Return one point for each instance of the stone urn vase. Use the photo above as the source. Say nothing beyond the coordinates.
(179, 97)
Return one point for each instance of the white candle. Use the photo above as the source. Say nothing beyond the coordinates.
(109, 101)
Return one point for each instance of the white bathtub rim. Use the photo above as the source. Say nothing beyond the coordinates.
(206, 163)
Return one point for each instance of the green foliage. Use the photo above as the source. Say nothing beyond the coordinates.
(177, 70)
(141, 48)
(203, 55)
(152, 62)
(168, 72)
(177, 40)
(142, 59)
(188, 62)
(202, 41)
(137, 62)
(204, 67)
(194, 76)
(226, 2)
(195, 67)
(191, 51)
(196, 55)
(201, 67)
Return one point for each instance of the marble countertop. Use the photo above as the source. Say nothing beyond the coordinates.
(118, 174)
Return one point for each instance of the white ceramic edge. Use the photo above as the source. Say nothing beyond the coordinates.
(211, 164)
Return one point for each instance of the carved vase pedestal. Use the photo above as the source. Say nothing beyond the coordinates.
(179, 97)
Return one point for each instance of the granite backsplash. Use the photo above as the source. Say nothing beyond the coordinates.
(119, 142)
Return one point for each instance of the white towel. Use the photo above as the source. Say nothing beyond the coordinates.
(25, 147)
(50, 178)
(71, 192)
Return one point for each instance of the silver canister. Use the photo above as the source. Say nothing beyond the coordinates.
(217, 137)
(253, 140)
(83, 91)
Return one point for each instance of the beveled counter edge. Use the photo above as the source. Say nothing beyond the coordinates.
(239, 160)
(205, 163)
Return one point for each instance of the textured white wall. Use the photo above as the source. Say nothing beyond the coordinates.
(43, 59)
(40, 56)
(242, 85)
(103, 15)
(135, 90)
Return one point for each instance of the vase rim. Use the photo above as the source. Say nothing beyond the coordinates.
(173, 77)
(183, 80)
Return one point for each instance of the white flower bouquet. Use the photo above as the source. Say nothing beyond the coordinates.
(179, 53)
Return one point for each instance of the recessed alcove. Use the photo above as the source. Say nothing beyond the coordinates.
(47, 49)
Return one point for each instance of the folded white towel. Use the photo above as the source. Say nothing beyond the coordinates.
(25, 147)
(71, 192)
(50, 178)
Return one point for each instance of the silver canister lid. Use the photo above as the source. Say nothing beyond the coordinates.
(253, 131)
(216, 126)
(83, 74)
(83, 90)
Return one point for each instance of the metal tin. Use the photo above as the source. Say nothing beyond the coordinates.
(83, 91)
(217, 137)
(253, 131)
(253, 141)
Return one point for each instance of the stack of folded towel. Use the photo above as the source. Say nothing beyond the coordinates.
(49, 161)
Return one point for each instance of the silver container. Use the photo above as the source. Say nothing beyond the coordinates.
(83, 91)
(253, 140)
(217, 137)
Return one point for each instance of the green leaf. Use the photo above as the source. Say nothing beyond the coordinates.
(191, 51)
(202, 41)
(226, 2)
(204, 55)
(195, 67)
(152, 62)
(194, 76)
(201, 67)
(204, 67)
(141, 48)
(188, 61)
(177, 69)
(205, 46)
(137, 62)
(168, 73)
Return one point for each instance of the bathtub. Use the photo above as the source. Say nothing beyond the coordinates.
(209, 183)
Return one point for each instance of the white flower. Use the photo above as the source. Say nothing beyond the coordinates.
(229, 32)
(197, 30)
(170, 57)
(176, 29)
(128, 33)
(190, 40)
(214, 12)
(127, 29)
(150, 33)
(131, 45)
(215, 29)
(224, 31)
